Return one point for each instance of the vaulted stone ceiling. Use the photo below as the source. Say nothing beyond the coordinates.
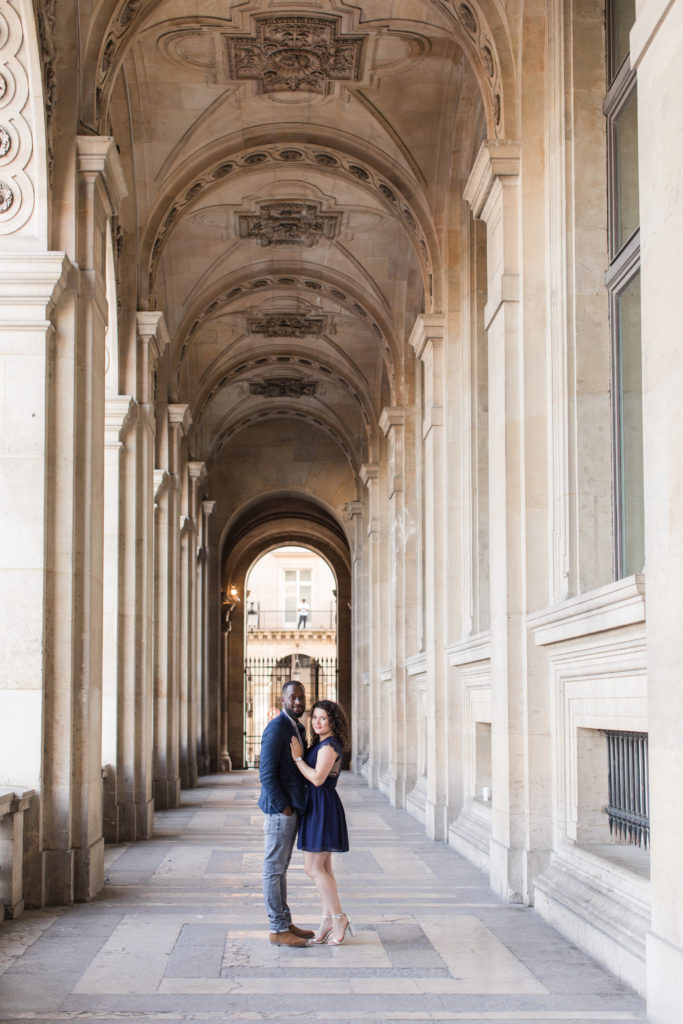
(293, 166)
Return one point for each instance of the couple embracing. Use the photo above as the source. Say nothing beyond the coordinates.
(299, 796)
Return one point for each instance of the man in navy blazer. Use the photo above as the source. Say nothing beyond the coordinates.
(282, 800)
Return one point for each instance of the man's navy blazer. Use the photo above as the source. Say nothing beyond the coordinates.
(282, 784)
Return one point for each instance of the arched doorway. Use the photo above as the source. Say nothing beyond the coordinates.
(272, 523)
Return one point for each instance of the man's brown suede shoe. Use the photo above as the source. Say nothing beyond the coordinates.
(301, 933)
(286, 939)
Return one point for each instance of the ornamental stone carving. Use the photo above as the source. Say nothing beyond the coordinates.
(286, 325)
(283, 387)
(6, 197)
(5, 141)
(289, 223)
(295, 54)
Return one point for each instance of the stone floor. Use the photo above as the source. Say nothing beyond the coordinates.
(179, 934)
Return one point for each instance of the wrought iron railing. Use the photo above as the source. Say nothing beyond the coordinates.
(279, 619)
(628, 809)
(263, 679)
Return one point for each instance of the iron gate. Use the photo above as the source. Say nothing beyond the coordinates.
(263, 681)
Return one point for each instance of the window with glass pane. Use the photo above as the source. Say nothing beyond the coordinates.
(629, 397)
(623, 283)
(621, 16)
(297, 585)
(625, 150)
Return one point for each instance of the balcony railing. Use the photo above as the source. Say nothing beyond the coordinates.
(323, 619)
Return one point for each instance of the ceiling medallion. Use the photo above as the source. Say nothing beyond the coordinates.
(289, 223)
(292, 54)
(286, 325)
(283, 387)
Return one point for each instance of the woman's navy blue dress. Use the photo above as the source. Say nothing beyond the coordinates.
(323, 826)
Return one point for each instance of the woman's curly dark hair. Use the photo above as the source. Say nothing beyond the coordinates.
(339, 723)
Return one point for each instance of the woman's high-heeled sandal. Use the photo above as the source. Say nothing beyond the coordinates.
(337, 942)
(323, 934)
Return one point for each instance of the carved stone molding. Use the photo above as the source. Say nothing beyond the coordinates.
(295, 54)
(289, 223)
(283, 387)
(480, 38)
(286, 325)
(17, 144)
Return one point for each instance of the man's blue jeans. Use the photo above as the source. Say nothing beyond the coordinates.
(280, 834)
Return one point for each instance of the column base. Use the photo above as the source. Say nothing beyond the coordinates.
(506, 872)
(664, 972)
(166, 794)
(436, 820)
(89, 871)
(58, 878)
(145, 819)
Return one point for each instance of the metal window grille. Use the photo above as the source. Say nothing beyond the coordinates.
(628, 809)
(263, 679)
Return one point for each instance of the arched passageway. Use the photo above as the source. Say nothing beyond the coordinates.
(263, 526)
(388, 279)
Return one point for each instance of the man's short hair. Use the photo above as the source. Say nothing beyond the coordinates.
(290, 682)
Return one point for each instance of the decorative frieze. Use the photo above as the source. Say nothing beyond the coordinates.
(287, 325)
(289, 223)
(283, 387)
(295, 54)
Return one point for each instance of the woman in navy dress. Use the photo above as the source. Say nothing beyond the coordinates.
(322, 830)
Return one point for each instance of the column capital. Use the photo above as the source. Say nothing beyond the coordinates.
(393, 416)
(31, 285)
(428, 327)
(119, 413)
(353, 509)
(208, 508)
(187, 525)
(151, 328)
(180, 416)
(99, 155)
(495, 160)
(161, 481)
(368, 472)
(197, 470)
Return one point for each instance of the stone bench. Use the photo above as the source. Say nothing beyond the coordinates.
(12, 807)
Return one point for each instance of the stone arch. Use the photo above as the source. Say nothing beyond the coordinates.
(260, 527)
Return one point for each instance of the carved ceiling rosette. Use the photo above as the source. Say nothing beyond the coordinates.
(289, 223)
(286, 325)
(283, 387)
(293, 54)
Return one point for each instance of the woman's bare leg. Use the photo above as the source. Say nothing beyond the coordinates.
(318, 867)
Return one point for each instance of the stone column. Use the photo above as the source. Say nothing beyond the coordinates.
(427, 340)
(655, 52)
(391, 423)
(203, 659)
(519, 688)
(359, 723)
(369, 474)
(31, 289)
(118, 412)
(72, 825)
(174, 424)
(135, 690)
(190, 716)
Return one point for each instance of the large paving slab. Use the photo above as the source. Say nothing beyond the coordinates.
(179, 933)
